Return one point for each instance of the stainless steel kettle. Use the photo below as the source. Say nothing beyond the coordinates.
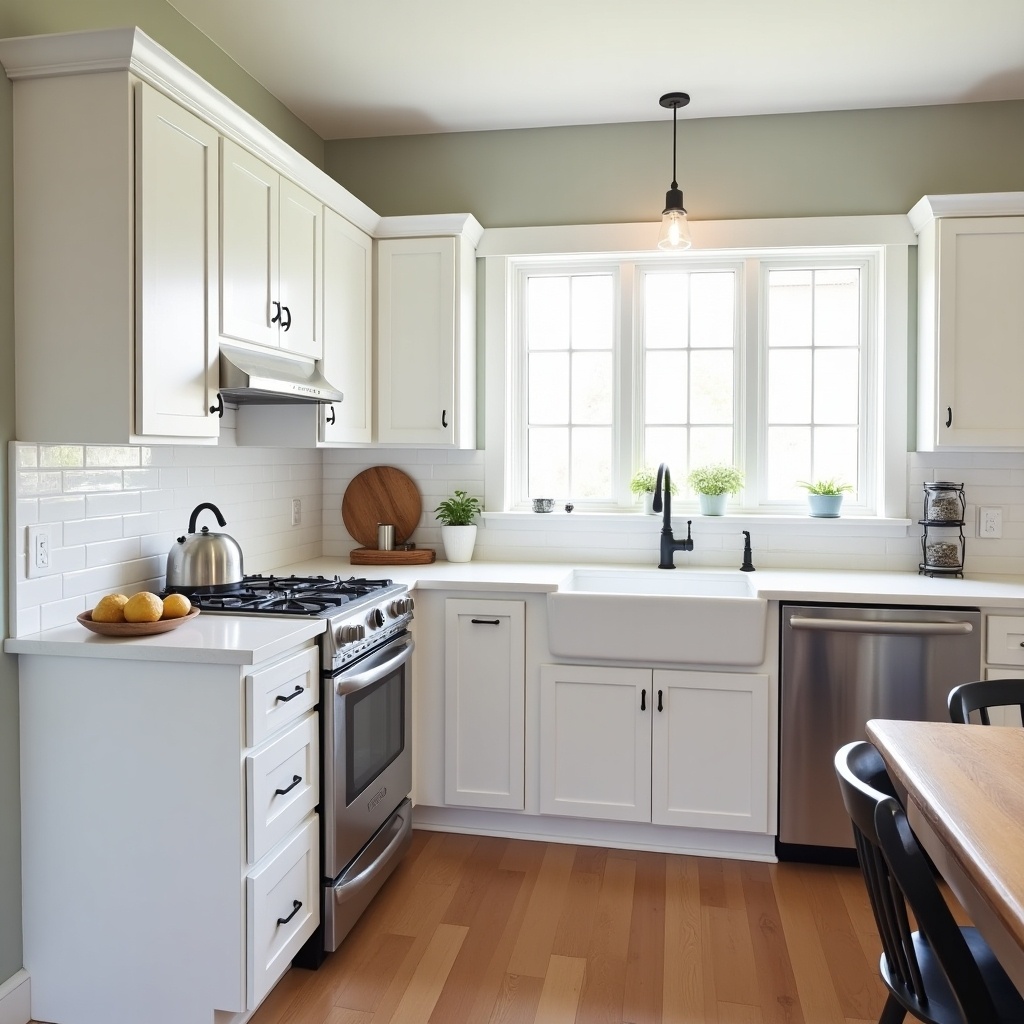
(204, 562)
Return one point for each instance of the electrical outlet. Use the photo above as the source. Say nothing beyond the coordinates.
(990, 522)
(38, 551)
(296, 511)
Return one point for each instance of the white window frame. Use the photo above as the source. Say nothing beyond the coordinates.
(889, 236)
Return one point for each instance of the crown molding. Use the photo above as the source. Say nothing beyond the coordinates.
(978, 204)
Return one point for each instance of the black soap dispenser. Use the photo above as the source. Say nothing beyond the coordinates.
(748, 565)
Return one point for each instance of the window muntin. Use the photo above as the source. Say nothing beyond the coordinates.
(761, 359)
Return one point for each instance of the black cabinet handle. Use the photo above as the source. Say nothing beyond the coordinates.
(276, 318)
(219, 407)
(444, 417)
(331, 418)
(296, 905)
(291, 696)
(660, 708)
(643, 700)
(296, 779)
(486, 622)
(949, 415)
(286, 323)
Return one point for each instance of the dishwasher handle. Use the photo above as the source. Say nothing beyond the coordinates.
(879, 626)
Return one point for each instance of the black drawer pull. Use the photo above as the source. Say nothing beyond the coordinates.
(497, 622)
(219, 407)
(296, 779)
(291, 696)
(643, 700)
(286, 318)
(296, 906)
(276, 318)
(949, 415)
(660, 708)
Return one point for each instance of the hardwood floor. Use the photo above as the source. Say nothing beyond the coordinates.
(479, 930)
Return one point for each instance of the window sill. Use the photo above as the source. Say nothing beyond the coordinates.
(629, 522)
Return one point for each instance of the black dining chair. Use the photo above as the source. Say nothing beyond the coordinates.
(943, 973)
(983, 695)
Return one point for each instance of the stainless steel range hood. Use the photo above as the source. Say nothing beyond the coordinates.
(266, 378)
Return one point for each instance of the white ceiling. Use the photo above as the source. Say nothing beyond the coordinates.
(397, 67)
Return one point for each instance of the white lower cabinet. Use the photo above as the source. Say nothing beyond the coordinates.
(166, 843)
(662, 746)
(485, 696)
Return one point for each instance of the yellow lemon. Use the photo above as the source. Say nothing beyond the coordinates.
(143, 607)
(176, 606)
(110, 608)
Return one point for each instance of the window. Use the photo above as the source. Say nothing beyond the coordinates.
(763, 360)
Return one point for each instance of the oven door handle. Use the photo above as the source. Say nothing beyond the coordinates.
(350, 683)
(375, 858)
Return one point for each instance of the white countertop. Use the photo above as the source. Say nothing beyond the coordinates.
(210, 639)
(247, 639)
(772, 584)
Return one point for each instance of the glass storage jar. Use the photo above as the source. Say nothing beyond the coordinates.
(944, 502)
(943, 548)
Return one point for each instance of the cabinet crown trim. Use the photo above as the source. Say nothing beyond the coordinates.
(431, 226)
(978, 204)
(130, 49)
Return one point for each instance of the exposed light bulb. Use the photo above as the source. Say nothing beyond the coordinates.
(675, 231)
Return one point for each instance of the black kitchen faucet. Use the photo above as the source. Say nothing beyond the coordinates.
(669, 545)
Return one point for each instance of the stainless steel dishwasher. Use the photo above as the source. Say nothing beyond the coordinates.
(841, 666)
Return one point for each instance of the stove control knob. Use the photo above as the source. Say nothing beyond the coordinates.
(375, 619)
(401, 606)
(350, 634)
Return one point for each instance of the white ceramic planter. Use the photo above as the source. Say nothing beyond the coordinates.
(824, 506)
(712, 504)
(458, 542)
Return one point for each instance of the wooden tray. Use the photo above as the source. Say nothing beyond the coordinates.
(381, 494)
(374, 556)
(134, 628)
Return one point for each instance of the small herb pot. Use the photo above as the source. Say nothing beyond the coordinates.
(825, 506)
(713, 504)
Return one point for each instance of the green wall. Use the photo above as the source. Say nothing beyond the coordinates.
(781, 165)
(167, 27)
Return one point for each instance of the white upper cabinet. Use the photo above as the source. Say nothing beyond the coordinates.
(176, 252)
(271, 258)
(971, 321)
(426, 335)
(348, 324)
(120, 203)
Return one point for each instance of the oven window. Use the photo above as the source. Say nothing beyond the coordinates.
(376, 730)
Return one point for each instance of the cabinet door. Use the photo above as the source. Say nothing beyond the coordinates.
(980, 343)
(485, 701)
(300, 289)
(595, 742)
(176, 225)
(416, 340)
(249, 247)
(709, 765)
(347, 338)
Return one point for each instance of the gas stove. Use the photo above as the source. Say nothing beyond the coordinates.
(362, 614)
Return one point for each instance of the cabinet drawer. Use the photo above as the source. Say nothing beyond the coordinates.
(276, 801)
(1005, 640)
(282, 909)
(280, 693)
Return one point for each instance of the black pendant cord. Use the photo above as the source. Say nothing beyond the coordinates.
(675, 111)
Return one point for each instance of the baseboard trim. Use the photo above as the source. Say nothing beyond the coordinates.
(15, 999)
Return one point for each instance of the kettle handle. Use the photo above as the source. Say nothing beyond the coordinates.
(221, 521)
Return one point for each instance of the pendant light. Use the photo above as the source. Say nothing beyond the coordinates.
(675, 232)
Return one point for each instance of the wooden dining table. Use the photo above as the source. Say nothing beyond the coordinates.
(965, 803)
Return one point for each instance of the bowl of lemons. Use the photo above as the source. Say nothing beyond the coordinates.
(142, 614)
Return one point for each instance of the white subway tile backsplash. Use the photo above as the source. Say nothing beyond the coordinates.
(116, 511)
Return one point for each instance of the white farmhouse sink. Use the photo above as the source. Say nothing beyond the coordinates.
(662, 616)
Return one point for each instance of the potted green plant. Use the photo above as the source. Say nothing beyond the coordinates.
(824, 497)
(713, 484)
(642, 485)
(458, 531)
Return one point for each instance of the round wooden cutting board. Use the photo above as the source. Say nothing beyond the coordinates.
(381, 494)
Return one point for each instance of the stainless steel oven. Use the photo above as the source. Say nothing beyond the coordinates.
(367, 723)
